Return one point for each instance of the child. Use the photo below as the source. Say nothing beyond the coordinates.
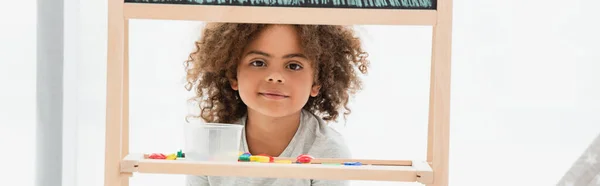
(283, 83)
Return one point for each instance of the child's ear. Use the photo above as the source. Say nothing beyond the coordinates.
(234, 84)
(314, 91)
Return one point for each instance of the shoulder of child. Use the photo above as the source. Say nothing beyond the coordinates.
(328, 142)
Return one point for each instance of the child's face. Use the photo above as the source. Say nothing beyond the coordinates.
(274, 77)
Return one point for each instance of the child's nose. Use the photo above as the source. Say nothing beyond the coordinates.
(275, 77)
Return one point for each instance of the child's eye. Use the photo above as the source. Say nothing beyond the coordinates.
(258, 63)
(294, 66)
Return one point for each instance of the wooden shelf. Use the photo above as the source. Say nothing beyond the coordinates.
(280, 15)
(416, 171)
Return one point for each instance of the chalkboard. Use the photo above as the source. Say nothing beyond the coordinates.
(364, 4)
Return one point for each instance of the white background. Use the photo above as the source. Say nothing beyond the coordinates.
(524, 91)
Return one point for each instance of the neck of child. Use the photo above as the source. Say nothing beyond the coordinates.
(270, 135)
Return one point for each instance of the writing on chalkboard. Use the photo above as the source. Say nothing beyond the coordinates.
(375, 4)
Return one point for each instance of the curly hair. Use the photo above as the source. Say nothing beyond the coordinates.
(335, 50)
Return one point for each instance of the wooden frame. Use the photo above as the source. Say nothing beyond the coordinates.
(120, 164)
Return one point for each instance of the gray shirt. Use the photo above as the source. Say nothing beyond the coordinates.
(313, 137)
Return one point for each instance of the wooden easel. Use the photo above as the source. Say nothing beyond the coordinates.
(120, 164)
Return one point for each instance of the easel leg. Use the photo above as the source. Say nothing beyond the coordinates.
(117, 127)
(125, 111)
(439, 100)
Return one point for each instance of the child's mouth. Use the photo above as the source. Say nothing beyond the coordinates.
(273, 95)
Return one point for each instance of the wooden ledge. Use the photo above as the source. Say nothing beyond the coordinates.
(280, 15)
(418, 171)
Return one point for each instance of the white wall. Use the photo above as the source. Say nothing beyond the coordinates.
(17, 92)
(524, 91)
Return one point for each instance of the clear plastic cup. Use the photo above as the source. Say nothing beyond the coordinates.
(212, 141)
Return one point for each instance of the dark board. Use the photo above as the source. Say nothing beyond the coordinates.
(363, 4)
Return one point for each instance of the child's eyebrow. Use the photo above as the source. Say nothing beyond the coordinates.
(295, 55)
(268, 55)
(258, 53)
